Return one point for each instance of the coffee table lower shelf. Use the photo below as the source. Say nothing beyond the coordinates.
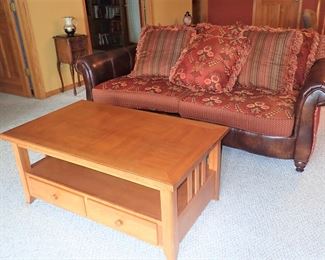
(120, 204)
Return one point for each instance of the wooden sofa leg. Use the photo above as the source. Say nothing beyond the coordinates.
(300, 166)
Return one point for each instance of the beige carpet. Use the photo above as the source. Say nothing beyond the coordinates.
(266, 210)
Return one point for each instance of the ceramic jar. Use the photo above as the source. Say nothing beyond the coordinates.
(69, 27)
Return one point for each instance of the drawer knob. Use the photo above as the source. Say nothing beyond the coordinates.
(55, 196)
(119, 222)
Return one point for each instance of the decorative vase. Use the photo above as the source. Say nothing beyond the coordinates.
(69, 27)
(187, 19)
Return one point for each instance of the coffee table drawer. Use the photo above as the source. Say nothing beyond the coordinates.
(57, 196)
(135, 226)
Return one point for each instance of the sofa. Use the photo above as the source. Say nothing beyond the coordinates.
(279, 122)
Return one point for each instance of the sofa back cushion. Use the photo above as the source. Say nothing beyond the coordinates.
(159, 48)
(232, 31)
(272, 61)
(306, 57)
(211, 63)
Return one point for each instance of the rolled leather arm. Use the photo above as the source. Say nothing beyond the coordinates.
(314, 86)
(102, 66)
(311, 96)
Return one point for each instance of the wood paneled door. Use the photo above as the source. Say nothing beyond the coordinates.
(277, 13)
(200, 11)
(12, 70)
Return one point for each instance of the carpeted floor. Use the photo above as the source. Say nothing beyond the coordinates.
(266, 210)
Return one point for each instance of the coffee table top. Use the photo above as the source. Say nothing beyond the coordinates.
(131, 144)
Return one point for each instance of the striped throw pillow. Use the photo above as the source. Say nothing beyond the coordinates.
(272, 62)
(159, 48)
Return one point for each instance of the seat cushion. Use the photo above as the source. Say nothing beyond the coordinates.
(255, 110)
(152, 93)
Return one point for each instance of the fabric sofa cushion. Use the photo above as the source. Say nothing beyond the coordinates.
(272, 61)
(306, 56)
(321, 48)
(159, 48)
(152, 93)
(231, 31)
(256, 110)
(210, 63)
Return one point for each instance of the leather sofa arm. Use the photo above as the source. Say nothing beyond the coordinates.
(103, 66)
(311, 96)
(314, 86)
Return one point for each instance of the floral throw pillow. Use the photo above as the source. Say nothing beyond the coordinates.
(159, 48)
(321, 48)
(232, 31)
(210, 63)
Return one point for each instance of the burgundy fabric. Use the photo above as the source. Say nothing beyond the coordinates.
(210, 63)
(306, 57)
(257, 110)
(251, 109)
(152, 93)
(321, 48)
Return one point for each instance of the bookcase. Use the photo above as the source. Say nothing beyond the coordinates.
(107, 23)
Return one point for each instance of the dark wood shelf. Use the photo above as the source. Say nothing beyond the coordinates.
(100, 23)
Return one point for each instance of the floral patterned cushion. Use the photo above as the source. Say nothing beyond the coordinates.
(321, 48)
(231, 31)
(306, 57)
(253, 109)
(153, 93)
(272, 61)
(210, 63)
(159, 48)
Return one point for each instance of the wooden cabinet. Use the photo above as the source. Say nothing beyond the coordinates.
(68, 50)
(277, 13)
(107, 23)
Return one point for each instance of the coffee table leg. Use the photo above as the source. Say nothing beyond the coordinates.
(23, 164)
(169, 223)
(214, 165)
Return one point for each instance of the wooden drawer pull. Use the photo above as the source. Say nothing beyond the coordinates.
(119, 222)
(55, 196)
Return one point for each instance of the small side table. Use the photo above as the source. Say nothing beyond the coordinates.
(68, 50)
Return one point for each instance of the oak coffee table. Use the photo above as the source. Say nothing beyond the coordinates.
(146, 174)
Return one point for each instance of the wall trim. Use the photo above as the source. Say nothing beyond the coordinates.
(58, 90)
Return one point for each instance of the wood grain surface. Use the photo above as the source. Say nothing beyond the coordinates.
(151, 149)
